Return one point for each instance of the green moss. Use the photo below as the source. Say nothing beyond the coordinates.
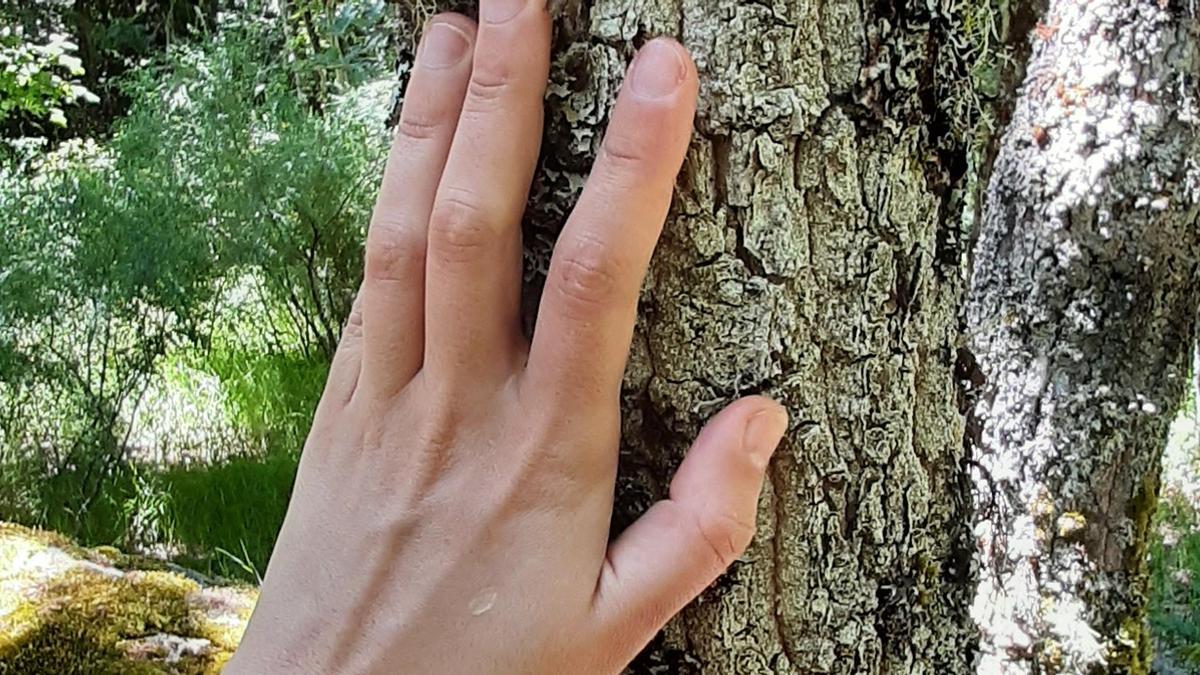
(1133, 656)
(1131, 652)
(1141, 512)
(66, 609)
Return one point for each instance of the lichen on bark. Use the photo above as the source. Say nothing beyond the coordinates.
(814, 253)
(1084, 286)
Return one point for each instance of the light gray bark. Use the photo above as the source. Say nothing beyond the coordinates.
(1084, 289)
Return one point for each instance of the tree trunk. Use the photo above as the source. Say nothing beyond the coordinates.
(1081, 317)
(817, 251)
(814, 253)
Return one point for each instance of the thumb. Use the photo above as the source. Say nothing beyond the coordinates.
(678, 547)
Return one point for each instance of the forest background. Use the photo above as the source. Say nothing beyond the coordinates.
(184, 189)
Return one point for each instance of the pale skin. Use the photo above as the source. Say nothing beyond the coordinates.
(451, 510)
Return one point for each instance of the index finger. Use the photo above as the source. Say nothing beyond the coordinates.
(589, 304)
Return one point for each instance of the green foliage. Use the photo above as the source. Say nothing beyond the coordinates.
(146, 512)
(1175, 579)
(61, 46)
(96, 287)
(344, 44)
(220, 519)
(1174, 556)
(278, 189)
(220, 224)
(39, 79)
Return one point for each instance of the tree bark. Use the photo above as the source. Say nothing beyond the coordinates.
(818, 251)
(1081, 318)
(815, 252)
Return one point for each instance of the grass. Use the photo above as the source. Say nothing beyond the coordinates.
(1174, 611)
(219, 517)
(233, 512)
(270, 396)
(1174, 565)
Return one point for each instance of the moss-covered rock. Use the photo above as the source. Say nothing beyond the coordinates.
(67, 609)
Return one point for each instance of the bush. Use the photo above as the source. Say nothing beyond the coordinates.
(223, 221)
(39, 79)
(1175, 579)
(1174, 559)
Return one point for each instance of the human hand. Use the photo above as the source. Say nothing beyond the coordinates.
(452, 505)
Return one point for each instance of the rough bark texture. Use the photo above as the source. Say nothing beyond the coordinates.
(815, 253)
(1081, 318)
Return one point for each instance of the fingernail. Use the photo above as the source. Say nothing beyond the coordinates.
(443, 47)
(658, 69)
(763, 433)
(499, 11)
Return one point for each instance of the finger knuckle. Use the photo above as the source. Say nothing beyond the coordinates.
(725, 536)
(491, 80)
(395, 252)
(354, 322)
(417, 126)
(587, 279)
(439, 430)
(456, 19)
(458, 230)
(626, 151)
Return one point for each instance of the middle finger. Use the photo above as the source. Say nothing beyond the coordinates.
(473, 262)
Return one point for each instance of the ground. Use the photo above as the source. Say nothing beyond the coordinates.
(65, 609)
